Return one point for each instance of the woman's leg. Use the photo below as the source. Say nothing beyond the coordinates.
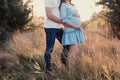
(73, 52)
(65, 49)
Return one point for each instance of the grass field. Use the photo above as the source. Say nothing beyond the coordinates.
(22, 58)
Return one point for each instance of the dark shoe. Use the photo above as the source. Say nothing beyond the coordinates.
(52, 67)
(48, 70)
(48, 67)
(47, 58)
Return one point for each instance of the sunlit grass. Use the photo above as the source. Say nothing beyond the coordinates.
(98, 59)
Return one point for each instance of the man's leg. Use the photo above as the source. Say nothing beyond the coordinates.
(47, 58)
(50, 40)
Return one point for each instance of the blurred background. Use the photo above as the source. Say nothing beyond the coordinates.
(22, 42)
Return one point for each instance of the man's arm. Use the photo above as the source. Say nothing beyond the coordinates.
(51, 16)
(69, 24)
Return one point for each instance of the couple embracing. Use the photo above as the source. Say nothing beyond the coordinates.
(62, 12)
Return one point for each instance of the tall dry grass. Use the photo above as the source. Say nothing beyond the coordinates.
(28, 47)
(98, 59)
(28, 43)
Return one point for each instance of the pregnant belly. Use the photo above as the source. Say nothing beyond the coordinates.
(75, 21)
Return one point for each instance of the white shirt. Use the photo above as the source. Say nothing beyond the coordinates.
(54, 4)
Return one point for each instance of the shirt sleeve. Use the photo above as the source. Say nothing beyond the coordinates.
(63, 13)
(48, 3)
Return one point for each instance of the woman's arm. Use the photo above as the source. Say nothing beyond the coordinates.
(64, 18)
(69, 24)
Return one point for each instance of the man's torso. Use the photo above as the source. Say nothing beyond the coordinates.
(54, 4)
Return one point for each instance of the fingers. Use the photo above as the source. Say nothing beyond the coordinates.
(78, 28)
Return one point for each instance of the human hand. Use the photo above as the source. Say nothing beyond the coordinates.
(76, 15)
(78, 27)
(65, 24)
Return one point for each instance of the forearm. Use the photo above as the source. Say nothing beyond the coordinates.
(51, 16)
(71, 25)
(54, 18)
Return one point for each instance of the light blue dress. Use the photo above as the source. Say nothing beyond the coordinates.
(70, 35)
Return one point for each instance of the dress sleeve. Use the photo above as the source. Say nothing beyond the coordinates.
(63, 13)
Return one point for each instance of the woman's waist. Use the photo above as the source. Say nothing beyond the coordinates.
(75, 21)
(68, 29)
(75, 18)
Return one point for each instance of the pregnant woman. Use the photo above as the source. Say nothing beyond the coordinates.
(73, 34)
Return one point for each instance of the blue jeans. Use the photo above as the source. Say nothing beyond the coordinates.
(51, 34)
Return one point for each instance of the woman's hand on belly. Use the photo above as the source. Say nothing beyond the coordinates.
(78, 27)
(76, 15)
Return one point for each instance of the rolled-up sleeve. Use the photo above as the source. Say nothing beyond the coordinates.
(63, 13)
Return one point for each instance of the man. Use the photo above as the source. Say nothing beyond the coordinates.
(53, 30)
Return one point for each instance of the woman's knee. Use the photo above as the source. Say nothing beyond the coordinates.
(75, 48)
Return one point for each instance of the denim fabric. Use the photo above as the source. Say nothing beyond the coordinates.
(51, 34)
